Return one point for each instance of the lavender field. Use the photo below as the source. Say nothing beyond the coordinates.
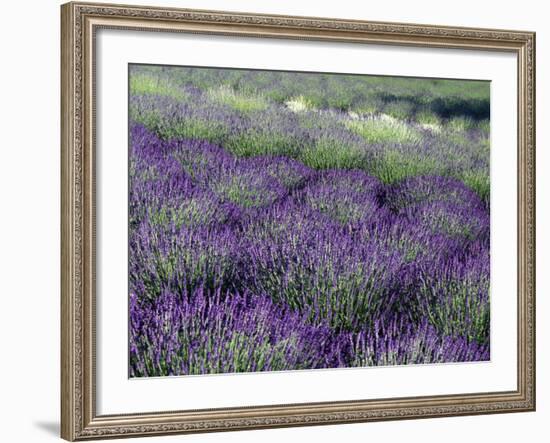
(285, 221)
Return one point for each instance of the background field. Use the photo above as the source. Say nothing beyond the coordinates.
(292, 220)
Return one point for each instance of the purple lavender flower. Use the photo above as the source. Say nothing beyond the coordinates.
(400, 342)
(290, 173)
(452, 220)
(348, 197)
(427, 189)
(301, 258)
(454, 297)
(208, 332)
(248, 187)
(279, 221)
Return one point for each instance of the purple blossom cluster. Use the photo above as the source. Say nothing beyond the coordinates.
(243, 263)
(210, 331)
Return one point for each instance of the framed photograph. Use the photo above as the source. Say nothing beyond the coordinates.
(282, 221)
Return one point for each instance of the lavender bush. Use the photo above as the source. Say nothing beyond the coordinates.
(284, 221)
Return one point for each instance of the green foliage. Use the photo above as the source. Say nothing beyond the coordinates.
(480, 182)
(484, 126)
(460, 124)
(330, 154)
(240, 101)
(254, 143)
(152, 120)
(194, 129)
(300, 104)
(427, 118)
(393, 166)
(190, 128)
(400, 109)
(383, 130)
(145, 84)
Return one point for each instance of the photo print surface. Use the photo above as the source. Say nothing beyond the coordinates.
(288, 221)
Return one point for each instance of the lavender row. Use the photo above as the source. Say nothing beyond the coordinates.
(333, 251)
(213, 332)
(390, 148)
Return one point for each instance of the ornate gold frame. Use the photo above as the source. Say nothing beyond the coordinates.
(79, 21)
